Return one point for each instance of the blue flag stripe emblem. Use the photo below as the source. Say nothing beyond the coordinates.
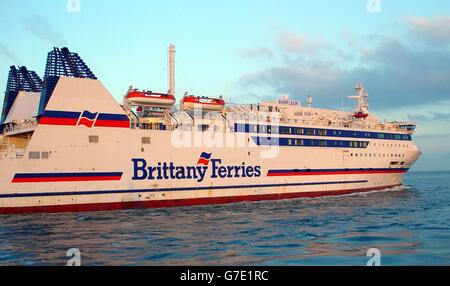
(205, 155)
(89, 115)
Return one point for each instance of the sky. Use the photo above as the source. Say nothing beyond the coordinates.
(253, 50)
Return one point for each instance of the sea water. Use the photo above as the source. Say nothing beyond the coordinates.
(406, 226)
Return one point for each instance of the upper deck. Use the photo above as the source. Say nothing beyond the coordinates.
(71, 95)
(282, 114)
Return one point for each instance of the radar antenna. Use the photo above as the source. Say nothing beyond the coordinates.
(362, 105)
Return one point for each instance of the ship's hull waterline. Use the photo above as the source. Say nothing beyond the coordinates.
(92, 203)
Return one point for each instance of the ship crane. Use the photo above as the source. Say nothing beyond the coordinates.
(362, 105)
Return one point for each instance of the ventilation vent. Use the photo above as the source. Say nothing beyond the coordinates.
(145, 140)
(19, 79)
(62, 62)
(93, 139)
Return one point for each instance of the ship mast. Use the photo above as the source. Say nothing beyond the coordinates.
(171, 57)
(362, 106)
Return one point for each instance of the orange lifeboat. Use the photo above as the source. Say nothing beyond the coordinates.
(148, 98)
(360, 114)
(192, 102)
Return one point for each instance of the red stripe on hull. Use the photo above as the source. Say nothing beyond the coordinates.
(58, 121)
(335, 173)
(66, 179)
(86, 122)
(112, 123)
(203, 161)
(182, 202)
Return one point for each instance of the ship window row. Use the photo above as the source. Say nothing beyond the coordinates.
(153, 126)
(379, 155)
(395, 163)
(389, 145)
(266, 141)
(289, 130)
(38, 155)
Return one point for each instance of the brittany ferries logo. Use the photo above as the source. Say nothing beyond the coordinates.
(170, 171)
(87, 119)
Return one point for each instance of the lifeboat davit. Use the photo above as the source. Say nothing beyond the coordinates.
(360, 114)
(148, 98)
(192, 102)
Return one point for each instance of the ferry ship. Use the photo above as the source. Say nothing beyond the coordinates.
(68, 145)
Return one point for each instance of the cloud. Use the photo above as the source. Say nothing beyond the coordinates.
(297, 82)
(433, 116)
(432, 30)
(294, 43)
(261, 52)
(395, 72)
(434, 136)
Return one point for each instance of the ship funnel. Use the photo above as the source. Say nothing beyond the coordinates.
(309, 101)
(171, 58)
(61, 62)
(19, 79)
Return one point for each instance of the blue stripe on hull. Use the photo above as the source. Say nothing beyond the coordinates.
(63, 175)
(80, 193)
(339, 170)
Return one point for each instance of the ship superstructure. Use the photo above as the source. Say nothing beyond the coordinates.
(67, 145)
